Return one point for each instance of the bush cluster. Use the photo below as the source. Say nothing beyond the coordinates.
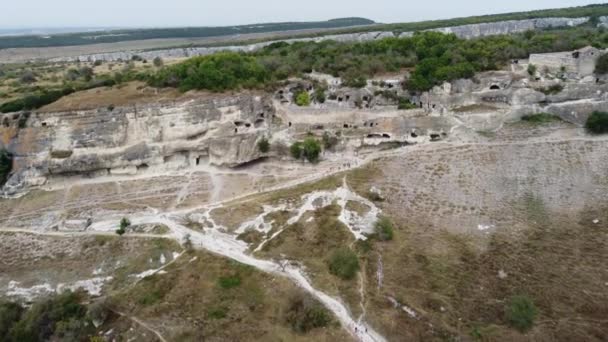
(60, 318)
(344, 263)
(597, 123)
(521, 312)
(305, 314)
(309, 149)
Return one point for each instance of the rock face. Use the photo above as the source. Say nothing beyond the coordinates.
(220, 131)
(464, 31)
(581, 62)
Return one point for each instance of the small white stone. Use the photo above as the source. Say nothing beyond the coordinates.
(502, 274)
(596, 221)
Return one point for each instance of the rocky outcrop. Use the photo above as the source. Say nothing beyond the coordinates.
(464, 31)
(222, 130)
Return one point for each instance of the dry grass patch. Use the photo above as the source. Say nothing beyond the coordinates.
(205, 297)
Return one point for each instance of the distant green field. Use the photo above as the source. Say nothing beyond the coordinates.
(86, 38)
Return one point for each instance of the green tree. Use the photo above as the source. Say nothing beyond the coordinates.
(521, 312)
(344, 263)
(531, 69)
(311, 149)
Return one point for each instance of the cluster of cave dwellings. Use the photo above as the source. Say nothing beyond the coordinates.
(259, 121)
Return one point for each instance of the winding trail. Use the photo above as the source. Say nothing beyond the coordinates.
(227, 245)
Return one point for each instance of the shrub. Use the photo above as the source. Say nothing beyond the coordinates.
(553, 89)
(531, 69)
(23, 119)
(405, 104)
(218, 312)
(28, 77)
(60, 318)
(158, 62)
(229, 282)
(124, 224)
(98, 62)
(302, 99)
(597, 123)
(305, 314)
(329, 141)
(6, 165)
(264, 145)
(601, 67)
(384, 229)
(319, 95)
(34, 101)
(296, 150)
(312, 149)
(521, 312)
(10, 314)
(344, 263)
(540, 118)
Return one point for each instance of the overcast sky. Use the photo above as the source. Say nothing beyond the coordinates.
(156, 13)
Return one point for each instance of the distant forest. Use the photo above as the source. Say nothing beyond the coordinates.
(114, 36)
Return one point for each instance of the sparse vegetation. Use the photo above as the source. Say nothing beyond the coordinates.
(597, 123)
(229, 282)
(540, 118)
(344, 263)
(521, 312)
(305, 314)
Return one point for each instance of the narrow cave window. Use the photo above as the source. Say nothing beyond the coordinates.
(494, 87)
(198, 160)
(414, 135)
(290, 124)
(44, 124)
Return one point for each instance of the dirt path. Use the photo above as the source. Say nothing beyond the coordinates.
(143, 325)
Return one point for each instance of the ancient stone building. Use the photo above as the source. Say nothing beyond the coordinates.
(581, 62)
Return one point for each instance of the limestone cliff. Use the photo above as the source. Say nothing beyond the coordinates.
(220, 131)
